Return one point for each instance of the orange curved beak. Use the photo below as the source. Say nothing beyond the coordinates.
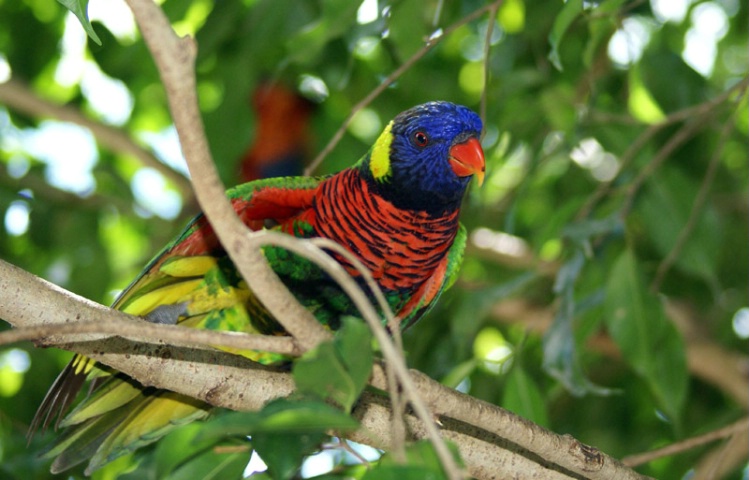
(467, 158)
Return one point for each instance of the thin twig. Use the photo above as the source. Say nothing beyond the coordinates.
(739, 427)
(389, 80)
(398, 405)
(722, 459)
(694, 214)
(398, 418)
(147, 332)
(231, 449)
(487, 47)
(678, 139)
(695, 111)
(343, 444)
(391, 320)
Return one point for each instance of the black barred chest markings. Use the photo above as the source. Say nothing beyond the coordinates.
(401, 248)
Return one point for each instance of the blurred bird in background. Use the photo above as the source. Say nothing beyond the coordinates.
(281, 145)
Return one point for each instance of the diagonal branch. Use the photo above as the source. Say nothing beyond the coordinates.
(175, 60)
(697, 206)
(738, 427)
(696, 111)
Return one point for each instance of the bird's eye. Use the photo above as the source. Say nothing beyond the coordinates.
(420, 139)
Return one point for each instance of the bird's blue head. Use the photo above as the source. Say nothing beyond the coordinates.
(425, 157)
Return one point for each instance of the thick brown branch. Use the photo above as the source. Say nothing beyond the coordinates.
(484, 432)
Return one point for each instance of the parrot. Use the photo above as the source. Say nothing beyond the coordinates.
(396, 210)
(281, 139)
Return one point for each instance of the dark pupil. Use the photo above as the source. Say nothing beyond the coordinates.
(421, 139)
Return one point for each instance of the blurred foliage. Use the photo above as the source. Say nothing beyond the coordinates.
(586, 196)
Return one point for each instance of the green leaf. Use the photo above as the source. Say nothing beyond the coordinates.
(292, 430)
(564, 19)
(283, 433)
(523, 396)
(178, 447)
(422, 462)
(80, 10)
(338, 370)
(284, 453)
(402, 472)
(458, 373)
(669, 95)
(665, 207)
(279, 416)
(647, 338)
(337, 18)
(354, 344)
(212, 465)
(561, 360)
(600, 28)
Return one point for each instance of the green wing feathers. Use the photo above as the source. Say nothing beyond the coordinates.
(191, 282)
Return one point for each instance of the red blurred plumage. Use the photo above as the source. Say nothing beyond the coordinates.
(281, 140)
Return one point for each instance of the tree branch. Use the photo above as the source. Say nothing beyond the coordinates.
(739, 427)
(494, 442)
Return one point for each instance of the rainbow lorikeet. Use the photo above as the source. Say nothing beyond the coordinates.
(282, 134)
(396, 210)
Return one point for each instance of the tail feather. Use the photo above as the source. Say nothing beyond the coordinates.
(117, 391)
(147, 420)
(76, 445)
(123, 428)
(60, 396)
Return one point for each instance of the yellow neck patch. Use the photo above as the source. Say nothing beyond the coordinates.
(379, 161)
